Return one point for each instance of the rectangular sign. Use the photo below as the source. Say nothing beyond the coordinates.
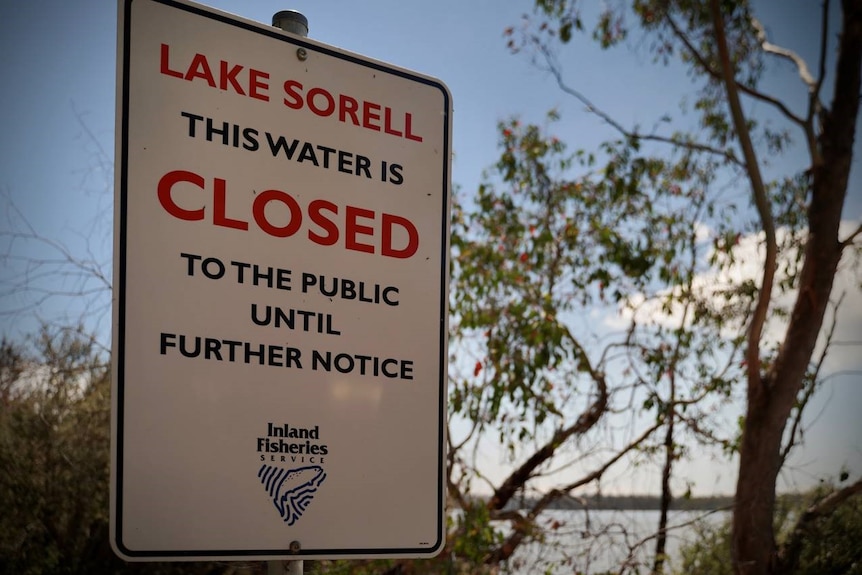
(281, 283)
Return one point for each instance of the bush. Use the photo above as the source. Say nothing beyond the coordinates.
(55, 414)
(831, 548)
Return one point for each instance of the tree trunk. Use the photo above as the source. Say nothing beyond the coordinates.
(771, 397)
(666, 495)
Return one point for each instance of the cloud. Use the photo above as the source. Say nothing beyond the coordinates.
(743, 265)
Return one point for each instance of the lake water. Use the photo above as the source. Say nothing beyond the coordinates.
(594, 542)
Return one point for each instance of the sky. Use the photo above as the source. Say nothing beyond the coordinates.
(58, 64)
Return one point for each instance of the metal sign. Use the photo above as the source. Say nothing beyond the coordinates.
(281, 277)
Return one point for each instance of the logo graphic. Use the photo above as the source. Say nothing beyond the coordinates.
(291, 489)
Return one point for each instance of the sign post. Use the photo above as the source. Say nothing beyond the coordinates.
(281, 284)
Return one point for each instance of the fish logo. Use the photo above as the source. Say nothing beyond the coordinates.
(291, 490)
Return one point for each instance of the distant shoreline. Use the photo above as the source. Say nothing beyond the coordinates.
(639, 503)
(634, 503)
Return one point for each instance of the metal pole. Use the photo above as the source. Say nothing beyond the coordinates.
(284, 567)
(295, 23)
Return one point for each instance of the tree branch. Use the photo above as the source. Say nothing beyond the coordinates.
(812, 386)
(771, 48)
(716, 74)
(824, 31)
(727, 155)
(769, 407)
(522, 524)
(761, 201)
(515, 480)
(815, 106)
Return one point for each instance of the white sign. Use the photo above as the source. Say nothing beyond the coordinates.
(281, 276)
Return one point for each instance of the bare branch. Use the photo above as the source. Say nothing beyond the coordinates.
(522, 474)
(522, 524)
(815, 106)
(451, 460)
(683, 525)
(41, 269)
(554, 69)
(716, 74)
(812, 385)
(771, 48)
(69, 275)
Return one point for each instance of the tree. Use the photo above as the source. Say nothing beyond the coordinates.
(54, 456)
(726, 48)
(642, 229)
(54, 461)
(541, 248)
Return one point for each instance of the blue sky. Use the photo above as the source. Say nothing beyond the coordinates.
(57, 60)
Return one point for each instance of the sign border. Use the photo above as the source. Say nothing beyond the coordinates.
(121, 217)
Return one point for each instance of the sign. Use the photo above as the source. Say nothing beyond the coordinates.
(281, 275)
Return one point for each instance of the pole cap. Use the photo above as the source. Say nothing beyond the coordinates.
(291, 21)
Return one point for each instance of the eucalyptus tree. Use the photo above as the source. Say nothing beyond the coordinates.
(554, 232)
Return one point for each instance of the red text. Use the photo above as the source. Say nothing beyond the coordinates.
(279, 215)
(223, 75)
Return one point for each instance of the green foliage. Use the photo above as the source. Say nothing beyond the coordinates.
(53, 448)
(651, 227)
(658, 17)
(54, 460)
(552, 234)
(831, 545)
(477, 536)
(710, 553)
(657, 227)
